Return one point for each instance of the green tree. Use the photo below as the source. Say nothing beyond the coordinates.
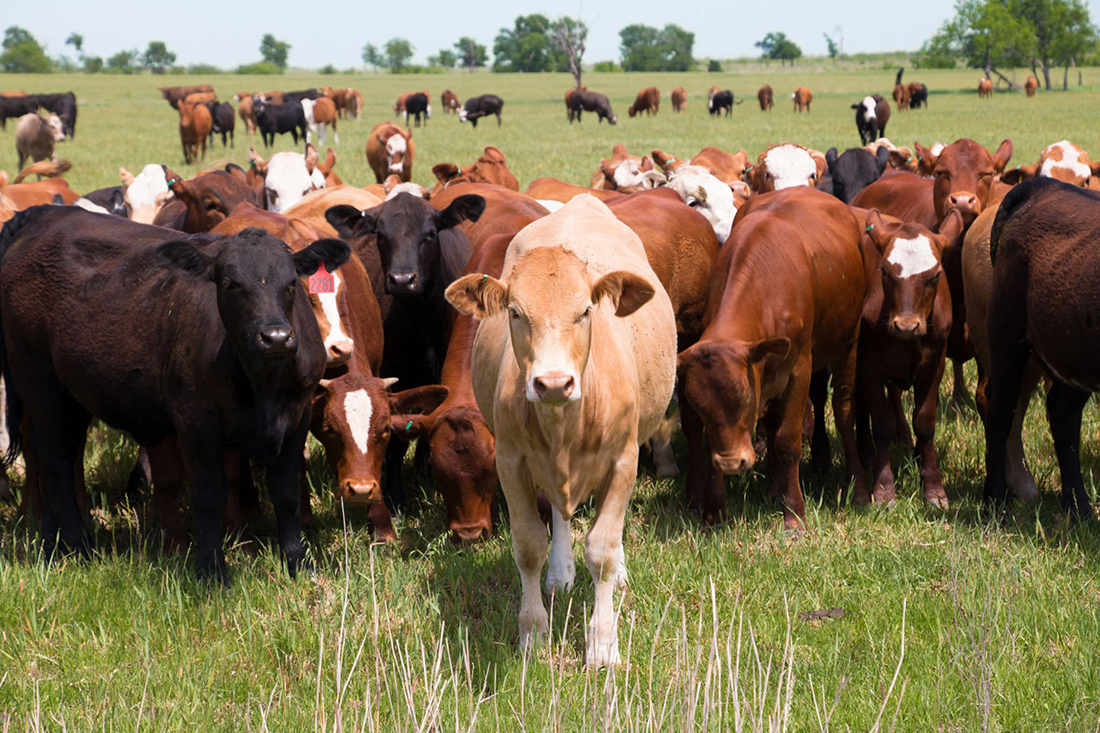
(157, 57)
(17, 36)
(22, 53)
(525, 47)
(471, 54)
(274, 51)
(569, 37)
(644, 48)
(76, 41)
(398, 53)
(124, 62)
(833, 46)
(676, 48)
(1062, 30)
(777, 46)
(372, 57)
(445, 58)
(93, 64)
(1076, 38)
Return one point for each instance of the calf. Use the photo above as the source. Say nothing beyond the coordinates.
(450, 102)
(985, 88)
(390, 150)
(855, 170)
(802, 98)
(583, 100)
(483, 106)
(64, 106)
(872, 114)
(918, 95)
(276, 119)
(785, 303)
(719, 101)
(247, 356)
(648, 101)
(320, 112)
(679, 99)
(35, 137)
(766, 97)
(571, 385)
(491, 167)
(223, 121)
(902, 345)
(195, 126)
(1031, 85)
(205, 200)
(286, 177)
(417, 105)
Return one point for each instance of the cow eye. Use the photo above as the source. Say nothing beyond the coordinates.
(693, 203)
(587, 312)
(211, 205)
(230, 284)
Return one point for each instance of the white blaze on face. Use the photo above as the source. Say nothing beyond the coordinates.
(938, 148)
(329, 307)
(914, 256)
(868, 108)
(462, 115)
(412, 188)
(396, 144)
(287, 181)
(629, 173)
(56, 127)
(307, 107)
(1070, 160)
(142, 194)
(358, 411)
(716, 205)
(790, 166)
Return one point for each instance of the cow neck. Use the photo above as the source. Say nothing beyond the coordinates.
(742, 314)
(460, 357)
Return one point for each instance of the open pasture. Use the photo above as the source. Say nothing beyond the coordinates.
(948, 623)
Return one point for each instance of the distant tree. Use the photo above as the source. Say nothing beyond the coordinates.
(778, 46)
(22, 53)
(833, 46)
(524, 47)
(445, 58)
(77, 42)
(371, 56)
(471, 54)
(124, 62)
(1062, 30)
(644, 48)
(569, 36)
(274, 51)
(714, 65)
(157, 57)
(328, 69)
(676, 48)
(17, 36)
(398, 53)
(985, 34)
(93, 64)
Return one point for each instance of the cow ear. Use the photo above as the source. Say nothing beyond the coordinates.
(899, 159)
(176, 184)
(876, 230)
(925, 157)
(185, 258)
(951, 228)
(831, 158)
(349, 222)
(332, 252)
(417, 401)
(627, 291)
(444, 172)
(302, 229)
(1094, 168)
(647, 163)
(778, 348)
(477, 295)
(463, 208)
(118, 200)
(236, 171)
(494, 154)
(1003, 155)
(126, 176)
(1020, 173)
(856, 106)
(330, 161)
(311, 157)
(882, 157)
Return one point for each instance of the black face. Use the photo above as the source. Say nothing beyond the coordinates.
(855, 170)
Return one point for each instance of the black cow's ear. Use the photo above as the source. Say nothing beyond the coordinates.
(883, 158)
(186, 258)
(118, 202)
(349, 222)
(463, 208)
(333, 252)
(831, 158)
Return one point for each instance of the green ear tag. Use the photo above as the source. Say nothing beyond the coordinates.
(408, 425)
(869, 227)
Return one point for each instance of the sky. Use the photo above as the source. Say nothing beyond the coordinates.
(228, 33)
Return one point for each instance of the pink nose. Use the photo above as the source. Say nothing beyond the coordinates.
(966, 203)
(733, 463)
(340, 351)
(357, 491)
(907, 326)
(554, 387)
(471, 532)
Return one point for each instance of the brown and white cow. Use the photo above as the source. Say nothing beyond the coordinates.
(285, 178)
(725, 166)
(679, 99)
(765, 96)
(491, 167)
(985, 88)
(786, 165)
(802, 98)
(1064, 161)
(390, 149)
(574, 364)
(648, 101)
(623, 171)
(320, 112)
(450, 102)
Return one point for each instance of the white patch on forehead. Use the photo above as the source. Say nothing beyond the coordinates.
(396, 144)
(790, 166)
(913, 255)
(332, 313)
(287, 181)
(718, 206)
(358, 410)
(1071, 160)
(317, 178)
(142, 193)
(868, 108)
(628, 173)
(411, 188)
(937, 148)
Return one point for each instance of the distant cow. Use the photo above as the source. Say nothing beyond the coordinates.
(985, 88)
(390, 150)
(195, 126)
(569, 103)
(311, 94)
(679, 99)
(918, 95)
(36, 137)
(648, 101)
(276, 119)
(175, 95)
(246, 111)
(1031, 85)
(901, 92)
(399, 106)
(483, 106)
(223, 121)
(719, 101)
(766, 97)
(320, 112)
(583, 100)
(450, 102)
(16, 107)
(802, 98)
(63, 105)
(416, 106)
(872, 114)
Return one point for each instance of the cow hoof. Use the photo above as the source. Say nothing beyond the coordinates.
(861, 498)
(560, 577)
(668, 470)
(534, 628)
(602, 653)
(1023, 484)
(885, 497)
(937, 500)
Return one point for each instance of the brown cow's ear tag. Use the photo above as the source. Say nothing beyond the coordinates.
(322, 281)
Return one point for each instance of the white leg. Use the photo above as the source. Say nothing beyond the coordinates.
(335, 136)
(562, 566)
(606, 561)
(528, 548)
(322, 134)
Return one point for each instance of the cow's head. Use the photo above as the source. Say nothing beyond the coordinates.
(462, 456)
(855, 170)
(722, 382)
(551, 300)
(210, 196)
(57, 127)
(865, 108)
(491, 167)
(785, 166)
(707, 195)
(910, 270)
(964, 175)
(1064, 161)
(407, 231)
(258, 287)
(146, 192)
(287, 177)
(397, 148)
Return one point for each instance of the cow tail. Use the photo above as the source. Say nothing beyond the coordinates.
(14, 405)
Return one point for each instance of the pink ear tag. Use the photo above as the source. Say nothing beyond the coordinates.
(322, 281)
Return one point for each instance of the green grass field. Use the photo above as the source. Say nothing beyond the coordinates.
(949, 624)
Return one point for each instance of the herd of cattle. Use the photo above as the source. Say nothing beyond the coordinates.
(539, 335)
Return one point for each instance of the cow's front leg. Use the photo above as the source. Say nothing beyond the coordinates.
(604, 555)
(282, 485)
(528, 548)
(562, 568)
(202, 458)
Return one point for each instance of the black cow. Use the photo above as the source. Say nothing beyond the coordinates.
(416, 252)
(720, 101)
(586, 101)
(853, 171)
(224, 121)
(298, 96)
(113, 199)
(918, 95)
(275, 119)
(64, 106)
(483, 106)
(872, 114)
(227, 357)
(16, 107)
(417, 105)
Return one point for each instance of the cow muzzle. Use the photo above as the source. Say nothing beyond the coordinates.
(908, 327)
(734, 462)
(403, 283)
(554, 388)
(358, 491)
(339, 352)
(965, 202)
(463, 533)
(277, 340)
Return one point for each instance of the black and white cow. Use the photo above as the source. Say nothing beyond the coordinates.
(872, 114)
(483, 106)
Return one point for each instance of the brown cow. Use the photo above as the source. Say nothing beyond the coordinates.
(679, 99)
(450, 102)
(175, 94)
(985, 88)
(246, 111)
(625, 171)
(551, 189)
(320, 112)
(17, 196)
(491, 167)
(195, 125)
(1031, 85)
(901, 97)
(202, 202)
(726, 167)
(355, 103)
(200, 98)
(390, 149)
(339, 99)
(1064, 161)
(802, 98)
(569, 111)
(786, 165)
(903, 344)
(784, 303)
(648, 101)
(766, 97)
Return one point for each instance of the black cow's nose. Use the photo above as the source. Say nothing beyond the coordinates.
(277, 340)
(404, 280)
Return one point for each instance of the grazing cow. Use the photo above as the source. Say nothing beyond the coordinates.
(205, 200)
(355, 103)
(802, 98)
(175, 95)
(785, 303)
(901, 92)
(726, 167)
(416, 106)
(36, 137)
(399, 107)
(247, 356)
(679, 99)
(320, 112)
(246, 111)
(719, 101)
(276, 119)
(195, 126)
(786, 165)
(1043, 304)
(1064, 161)
(872, 114)
(223, 121)
(63, 105)
(483, 106)
(390, 150)
(16, 106)
(766, 97)
(583, 100)
(571, 385)
(489, 168)
(855, 170)
(1031, 85)
(711, 197)
(286, 177)
(648, 101)
(918, 95)
(903, 345)
(985, 88)
(450, 102)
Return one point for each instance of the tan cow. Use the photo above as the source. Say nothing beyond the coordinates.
(390, 149)
(195, 125)
(679, 99)
(802, 98)
(573, 368)
(246, 111)
(1031, 85)
(985, 88)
